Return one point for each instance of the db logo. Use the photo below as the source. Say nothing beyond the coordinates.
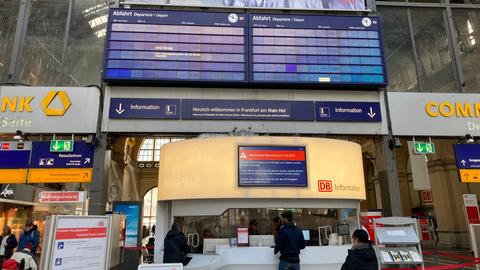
(325, 186)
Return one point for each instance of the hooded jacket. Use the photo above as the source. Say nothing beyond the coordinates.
(289, 242)
(29, 236)
(11, 244)
(361, 257)
(175, 246)
(27, 257)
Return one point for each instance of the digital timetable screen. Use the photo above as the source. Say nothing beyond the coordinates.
(157, 45)
(249, 48)
(316, 49)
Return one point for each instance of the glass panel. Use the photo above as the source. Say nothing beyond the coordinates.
(465, 1)
(84, 55)
(42, 54)
(399, 57)
(8, 20)
(467, 24)
(260, 222)
(433, 50)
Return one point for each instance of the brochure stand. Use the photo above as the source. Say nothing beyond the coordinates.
(397, 242)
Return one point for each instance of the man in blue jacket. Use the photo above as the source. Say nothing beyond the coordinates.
(289, 242)
(30, 234)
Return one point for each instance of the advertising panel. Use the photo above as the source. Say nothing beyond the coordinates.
(471, 208)
(272, 166)
(439, 114)
(281, 4)
(132, 212)
(80, 243)
(49, 109)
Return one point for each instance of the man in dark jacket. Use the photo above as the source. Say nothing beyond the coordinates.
(30, 234)
(8, 242)
(175, 246)
(362, 255)
(289, 242)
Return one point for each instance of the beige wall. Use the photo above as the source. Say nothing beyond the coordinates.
(207, 168)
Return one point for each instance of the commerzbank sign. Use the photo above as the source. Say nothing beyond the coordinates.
(434, 114)
(48, 109)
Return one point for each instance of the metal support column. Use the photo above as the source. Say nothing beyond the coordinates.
(99, 185)
(19, 41)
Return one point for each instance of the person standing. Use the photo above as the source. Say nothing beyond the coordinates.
(30, 234)
(362, 255)
(8, 242)
(289, 242)
(25, 257)
(175, 246)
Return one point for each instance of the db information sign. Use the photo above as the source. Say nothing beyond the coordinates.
(61, 197)
(471, 208)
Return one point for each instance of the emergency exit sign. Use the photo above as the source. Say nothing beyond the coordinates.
(424, 148)
(61, 146)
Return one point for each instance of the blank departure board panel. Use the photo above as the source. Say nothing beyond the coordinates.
(159, 45)
(330, 50)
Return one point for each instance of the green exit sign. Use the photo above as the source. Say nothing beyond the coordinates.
(424, 148)
(61, 146)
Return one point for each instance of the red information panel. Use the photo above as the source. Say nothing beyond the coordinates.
(366, 218)
(471, 208)
(272, 166)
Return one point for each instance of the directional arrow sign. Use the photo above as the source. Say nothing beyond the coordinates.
(144, 108)
(467, 156)
(335, 111)
(424, 148)
(42, 157)
(64, 146)
(470, 175)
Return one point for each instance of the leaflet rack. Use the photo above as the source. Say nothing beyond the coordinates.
(397, 242)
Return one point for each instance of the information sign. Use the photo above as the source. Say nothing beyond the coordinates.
(424, 148)
(152, 45)
(336, 111)
(80, 243)
(212, 109)
(316, 49)
(144, 108)
(14, 155)
(471, 208)
(61, 196)
(467, 156)
(61, 146)
(76, 175)
(80, 157)
(272, 166)
(469, 175)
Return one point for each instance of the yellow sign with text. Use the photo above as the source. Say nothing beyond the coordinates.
(13, 176)
(470, 175)
(453, 109)
(22, 103)
(59, 175)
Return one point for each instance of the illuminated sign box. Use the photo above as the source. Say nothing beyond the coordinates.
(212, 47)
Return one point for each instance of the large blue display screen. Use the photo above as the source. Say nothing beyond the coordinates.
(182, 46)
(316, 49)
(175, 45)
(283, 166)
(132, 216)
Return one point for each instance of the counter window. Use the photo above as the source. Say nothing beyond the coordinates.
(320, 226)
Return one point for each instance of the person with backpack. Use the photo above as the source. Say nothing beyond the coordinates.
(25, 257)
(362, 255)
(30, 234)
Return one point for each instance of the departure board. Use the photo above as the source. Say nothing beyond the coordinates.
(161, 45)
(316, 49)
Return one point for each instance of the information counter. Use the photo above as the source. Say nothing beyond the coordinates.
(227, 195)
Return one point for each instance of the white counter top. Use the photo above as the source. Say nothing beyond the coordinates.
(262, 258)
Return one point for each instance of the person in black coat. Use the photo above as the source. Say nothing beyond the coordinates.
(175, 246)
(8, 242)
(362, 255)
(289, 242)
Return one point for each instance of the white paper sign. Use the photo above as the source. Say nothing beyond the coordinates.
(80, 243)
(242, 235)
(163, 266)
